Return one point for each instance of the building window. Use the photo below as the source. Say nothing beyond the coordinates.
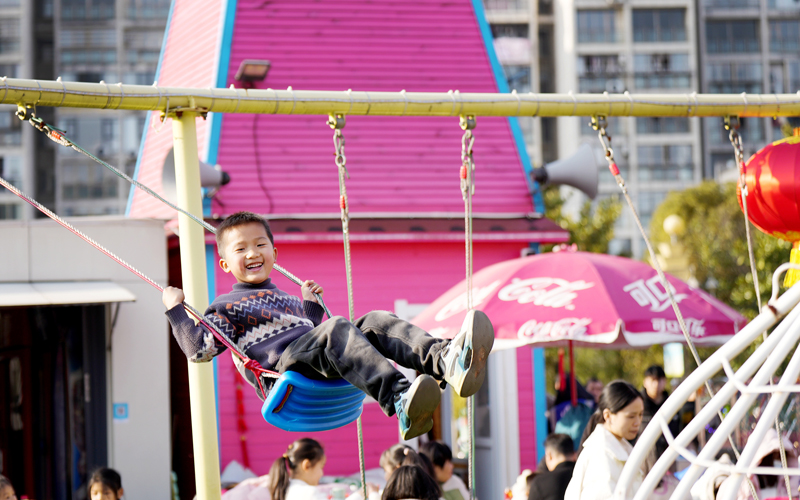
(727, 37)
(661, 71)
(9, 70)
(145, 46)
(88, 38)
(10, 211)
(507, 5)
(87, 181)
(10, 128)
(597, 26)
(733, 4)
(11, 170)
(659, 25)
(783, 4)
(518, 77)
(722, 162)
(784, 37)
(9, 36)
(665, 163)
(734, 78)
(100, 136)
(600, 73)
(662, 125)
(751, 130)
(87, 9)
(648, 202)
(794, 75)
(148, 9)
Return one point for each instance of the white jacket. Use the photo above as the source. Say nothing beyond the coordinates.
(599, 466)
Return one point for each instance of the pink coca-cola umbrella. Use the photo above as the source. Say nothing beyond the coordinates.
(592, 300)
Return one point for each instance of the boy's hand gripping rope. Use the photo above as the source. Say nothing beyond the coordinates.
(732, 124)
(251, 364)
(600, 124)
(60, 137)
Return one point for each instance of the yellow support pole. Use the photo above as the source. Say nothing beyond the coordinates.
(195, 285)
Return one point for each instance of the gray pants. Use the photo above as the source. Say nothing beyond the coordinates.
(361, 353)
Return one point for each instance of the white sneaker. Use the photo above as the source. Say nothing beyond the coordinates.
(465, 356)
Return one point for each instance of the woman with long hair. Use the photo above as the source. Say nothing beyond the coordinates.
(296, 474)
(605, 445)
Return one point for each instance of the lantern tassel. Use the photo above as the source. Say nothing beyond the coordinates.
(793, 275)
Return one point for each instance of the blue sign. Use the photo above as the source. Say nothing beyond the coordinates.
(120, 411)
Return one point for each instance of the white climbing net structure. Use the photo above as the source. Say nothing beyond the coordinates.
(749, 387)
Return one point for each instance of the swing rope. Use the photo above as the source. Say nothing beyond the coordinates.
(60, 137)
(337, 123)
(738, 151)
(466, 175)
(600, 124)
(250, 364)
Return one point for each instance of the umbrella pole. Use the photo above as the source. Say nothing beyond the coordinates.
(573, 381)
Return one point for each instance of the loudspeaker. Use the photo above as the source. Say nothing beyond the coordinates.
(578, 171)
(210, 177)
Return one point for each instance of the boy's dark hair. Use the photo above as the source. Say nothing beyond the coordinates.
(238, 219)
(656, 372)
(108, 478)
(438, 452)
(410, 481)
(560, 443)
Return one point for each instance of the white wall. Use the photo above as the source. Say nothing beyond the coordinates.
(138, 364)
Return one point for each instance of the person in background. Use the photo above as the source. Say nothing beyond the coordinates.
(605, 446)
(411, 482)
(594, 387)
(105, 484)
(654, 394)
(6, 490)
(559, 455)
(453, 487)
(296, 474)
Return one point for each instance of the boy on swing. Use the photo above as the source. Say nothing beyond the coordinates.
(283, 333)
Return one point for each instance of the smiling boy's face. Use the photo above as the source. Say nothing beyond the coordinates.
(248, 253)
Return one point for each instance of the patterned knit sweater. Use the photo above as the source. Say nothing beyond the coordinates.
(260, 319)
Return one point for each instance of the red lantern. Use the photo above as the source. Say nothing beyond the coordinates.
(772, 176)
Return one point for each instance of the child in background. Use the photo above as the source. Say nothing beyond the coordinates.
(411, 482)
(6, 490)
(453, 487)
(283, 333)
(296, 474)
(105, 484)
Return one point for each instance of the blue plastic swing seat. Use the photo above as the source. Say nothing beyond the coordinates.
(299, 404)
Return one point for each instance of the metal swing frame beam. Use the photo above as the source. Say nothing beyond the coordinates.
(452, 103)
(184, 105)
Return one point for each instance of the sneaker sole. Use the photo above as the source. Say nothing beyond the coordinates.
(424, 396)
(482, 340)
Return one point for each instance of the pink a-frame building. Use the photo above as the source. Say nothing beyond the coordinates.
(407, 228)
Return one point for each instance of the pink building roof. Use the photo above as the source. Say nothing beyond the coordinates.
(284, 165)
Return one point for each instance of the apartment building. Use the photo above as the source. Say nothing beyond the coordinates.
(523, 40)
(111, 41)
(640, 46)
(748, 46)
(78, 40)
